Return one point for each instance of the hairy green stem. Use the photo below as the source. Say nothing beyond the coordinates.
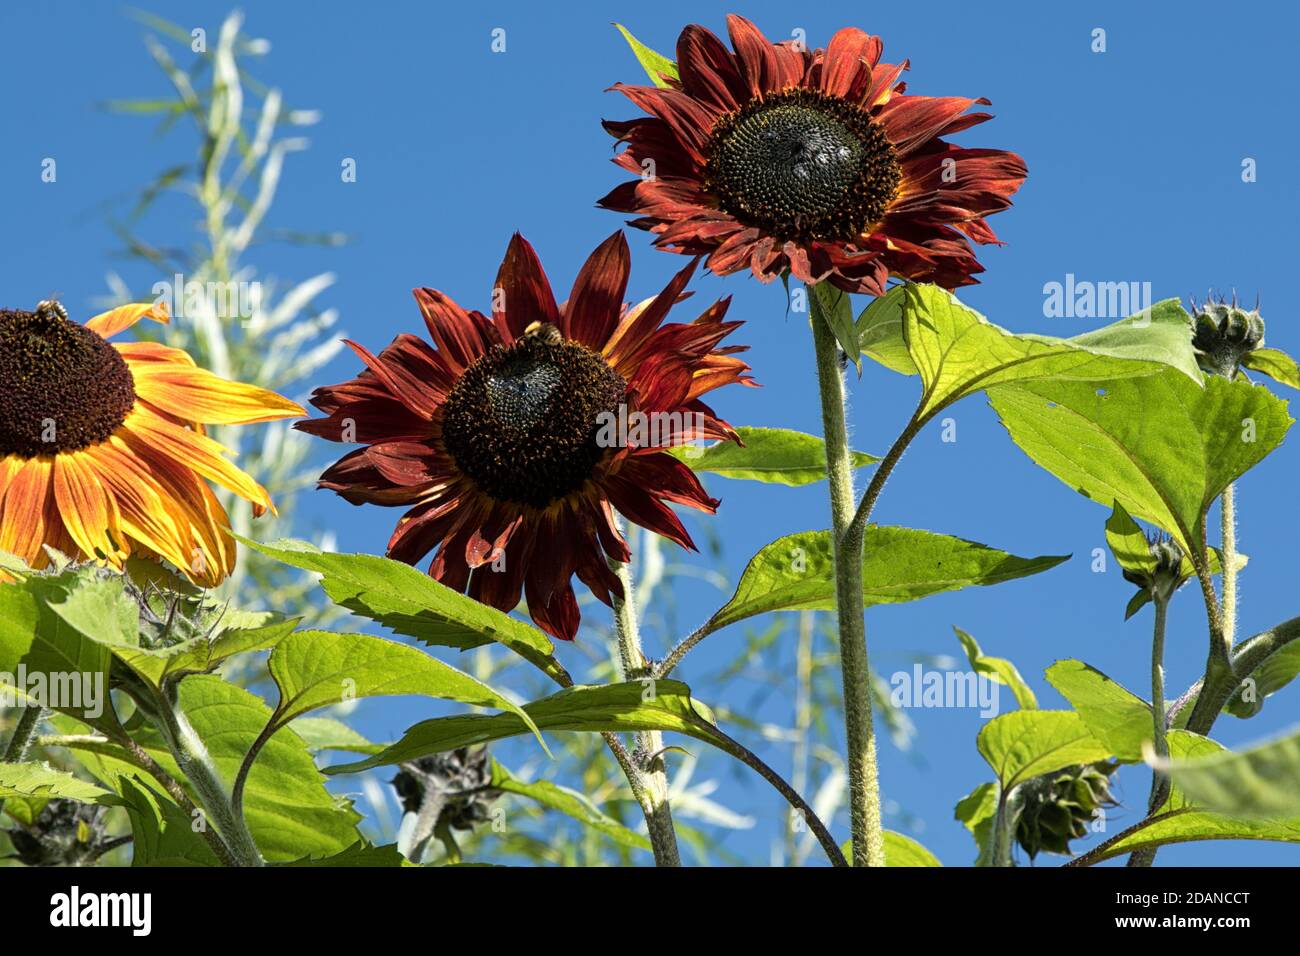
(1159, 780)
(647, 761)
(196, 763)
(1004, 826)
(1228, 548)
(847, 543)
(20, 741)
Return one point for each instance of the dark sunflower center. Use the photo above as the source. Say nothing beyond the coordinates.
(802, 165)
(522, 421)
(62, 387)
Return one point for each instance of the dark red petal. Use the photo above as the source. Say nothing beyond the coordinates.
(454, 331)
(637, 505)
(522, 295)
(557, 614)
(850, 53)
(708, 70)
(598, 291)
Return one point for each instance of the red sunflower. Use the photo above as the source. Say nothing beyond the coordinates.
(512, 439)
(775, 157)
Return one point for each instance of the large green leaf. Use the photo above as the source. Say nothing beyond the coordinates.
(774, 455)
(900, 564)
(410, 602)
(315, 669)
(1117, 718)
(1180, 821)
(1029, 743)
(288, 809)
(1161, 446)
(1261, 782)
(569, 802)
(162, 834)
(360, 854)
(635, 706)
(997, 669)
(653, 63)
(66, 670)
(957, 351)
(41, 781)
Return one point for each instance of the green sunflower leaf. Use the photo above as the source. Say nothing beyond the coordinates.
(664, 705)
(315, 669)
(39, 780)
(72, 668)
(1160, 445)
(569, 802)
(923, 329)
(1029, 743)
(1274, 363)
(900, 850)
(901, 564)
(977, 812)
(1181, 821)
(653, 63)
(774, 455)
(162, 834)
(288, 809)
(327, 733)
(1119, 719)
(998, 669)
(831, 305)
(1262, 782)
(409, 602)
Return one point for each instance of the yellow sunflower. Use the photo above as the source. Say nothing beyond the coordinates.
(103, 452)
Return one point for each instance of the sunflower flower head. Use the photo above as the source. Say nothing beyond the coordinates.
(102, 447)
(773, 158)
(511, 440)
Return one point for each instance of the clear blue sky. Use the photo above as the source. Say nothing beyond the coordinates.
(1135, 175)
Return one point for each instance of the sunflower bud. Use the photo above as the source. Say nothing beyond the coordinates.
(170, 617)
(463, 777)
(1168, 573)
(1057, 807)
(1223, 334)
(65, 833)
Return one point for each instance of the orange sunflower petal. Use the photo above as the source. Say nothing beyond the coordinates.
(108, 324)
(88, 510)
(196, 395)
(24, 512)
(149, 436)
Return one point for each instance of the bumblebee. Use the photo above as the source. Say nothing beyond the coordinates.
(52, 307)
(544, 331)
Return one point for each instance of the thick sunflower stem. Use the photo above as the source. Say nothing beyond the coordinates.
(847, 538)
(647, 764)
(196, 763)
(1228, 548)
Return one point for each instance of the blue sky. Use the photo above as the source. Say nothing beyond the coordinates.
(1135, 158)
